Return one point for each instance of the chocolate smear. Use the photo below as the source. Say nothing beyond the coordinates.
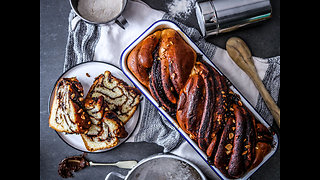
(72, 164)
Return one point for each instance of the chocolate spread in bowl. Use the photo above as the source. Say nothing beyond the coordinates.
(73, 163)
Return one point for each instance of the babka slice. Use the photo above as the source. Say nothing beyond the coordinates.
(104, 134)
(67, 113)
(117, 95)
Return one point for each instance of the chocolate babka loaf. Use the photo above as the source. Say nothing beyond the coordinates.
(199, 98)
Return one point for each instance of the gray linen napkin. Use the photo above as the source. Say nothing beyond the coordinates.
(154, 128)
(81, 42)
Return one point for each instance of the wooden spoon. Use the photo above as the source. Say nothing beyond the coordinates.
(241, 55)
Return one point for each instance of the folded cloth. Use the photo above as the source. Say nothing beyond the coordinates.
(87, 42)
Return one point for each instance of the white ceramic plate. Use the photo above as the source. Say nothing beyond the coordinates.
(169, 24)
(94, 69)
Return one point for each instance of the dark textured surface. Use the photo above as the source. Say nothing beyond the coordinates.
(263, 39)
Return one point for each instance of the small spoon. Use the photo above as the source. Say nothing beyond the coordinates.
(120, 164)
(76, 163)
(241, 55)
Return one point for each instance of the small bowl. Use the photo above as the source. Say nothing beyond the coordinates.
(119, 19)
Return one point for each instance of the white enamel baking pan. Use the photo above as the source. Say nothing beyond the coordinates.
(169, 24)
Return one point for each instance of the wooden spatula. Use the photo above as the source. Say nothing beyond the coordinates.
(241, 55)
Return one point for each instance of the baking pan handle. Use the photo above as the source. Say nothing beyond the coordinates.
(74, 22)
(122, 22)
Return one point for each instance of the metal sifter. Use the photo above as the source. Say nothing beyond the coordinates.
(218, 16)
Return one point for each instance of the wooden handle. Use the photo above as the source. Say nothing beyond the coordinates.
(241, 55)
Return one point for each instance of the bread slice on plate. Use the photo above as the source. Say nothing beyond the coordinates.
(67, 113)
(105, 134)
(117, 95)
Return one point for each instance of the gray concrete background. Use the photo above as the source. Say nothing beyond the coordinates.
(263, 39)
